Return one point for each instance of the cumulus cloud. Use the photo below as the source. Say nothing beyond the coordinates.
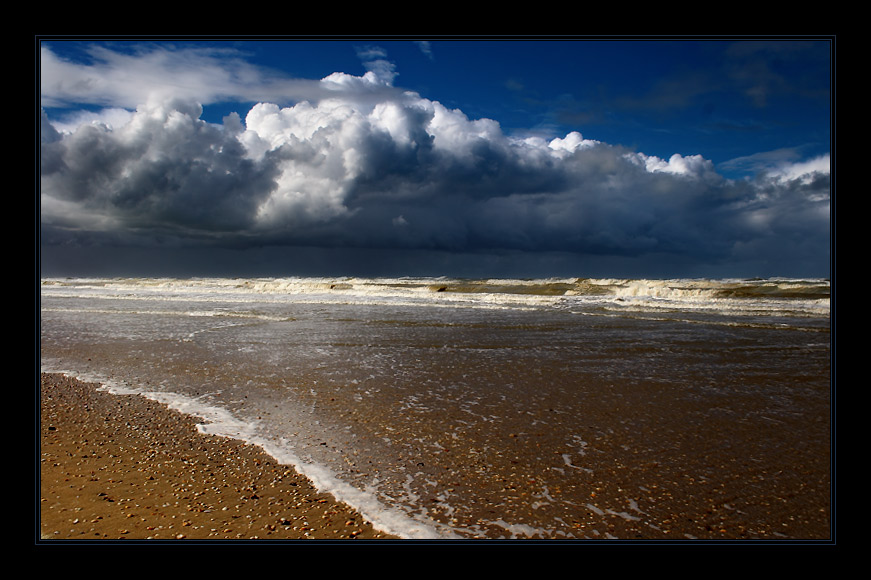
(357, 162)
(163, 170)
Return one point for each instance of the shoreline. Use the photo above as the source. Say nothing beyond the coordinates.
(125, 467)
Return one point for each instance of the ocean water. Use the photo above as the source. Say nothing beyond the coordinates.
(453, 408)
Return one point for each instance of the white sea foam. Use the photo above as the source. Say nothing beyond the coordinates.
(786, 296)
(219, 421)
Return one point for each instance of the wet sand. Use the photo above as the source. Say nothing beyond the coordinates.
(124, 467)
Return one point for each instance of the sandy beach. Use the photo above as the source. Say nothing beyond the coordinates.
(124, 467)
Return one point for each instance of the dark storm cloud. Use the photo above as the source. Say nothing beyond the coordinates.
(165, 170)
(363, 165)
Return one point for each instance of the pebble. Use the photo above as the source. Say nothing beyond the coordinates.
(153, 466)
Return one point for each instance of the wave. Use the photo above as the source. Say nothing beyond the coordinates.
(753, 287)
(806, 297)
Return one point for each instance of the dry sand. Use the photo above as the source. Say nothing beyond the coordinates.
(123, 466)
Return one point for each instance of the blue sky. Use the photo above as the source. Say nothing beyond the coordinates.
(667, 157)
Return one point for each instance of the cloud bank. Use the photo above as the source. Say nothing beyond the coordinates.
(356, 162)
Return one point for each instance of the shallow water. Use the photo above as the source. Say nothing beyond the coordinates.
(498, 409)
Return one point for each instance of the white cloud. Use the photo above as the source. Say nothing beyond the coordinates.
(128, 80)
(113, 118)
(163, 170)
(804, 171)
(162, 73)
(571, 143)
(357, 162)
(690, 166)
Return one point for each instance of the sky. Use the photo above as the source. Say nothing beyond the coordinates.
(389, 156)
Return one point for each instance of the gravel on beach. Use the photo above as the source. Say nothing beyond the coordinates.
(126, 467)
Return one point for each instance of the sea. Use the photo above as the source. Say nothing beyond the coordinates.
(502, 409)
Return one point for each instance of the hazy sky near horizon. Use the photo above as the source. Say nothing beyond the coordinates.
(440, 157)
